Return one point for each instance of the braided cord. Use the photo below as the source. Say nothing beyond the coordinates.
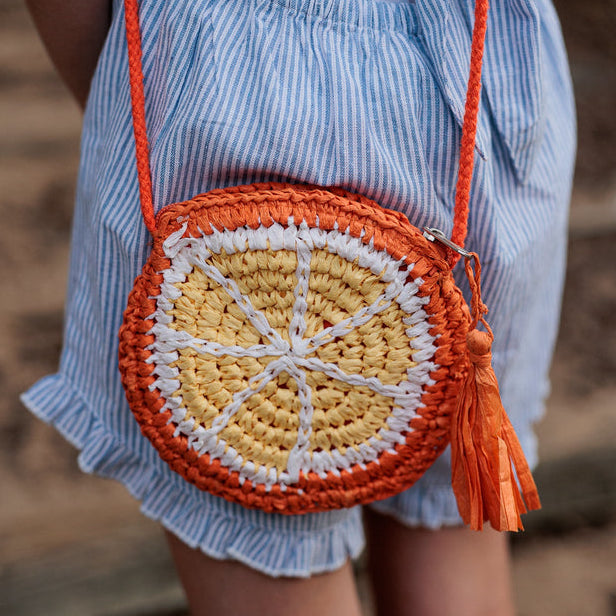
(469, 132)
(467, 146)
(135, 68)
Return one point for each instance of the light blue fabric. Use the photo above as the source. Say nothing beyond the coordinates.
(356, 93)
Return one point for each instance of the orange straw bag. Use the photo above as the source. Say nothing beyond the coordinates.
(296, 349)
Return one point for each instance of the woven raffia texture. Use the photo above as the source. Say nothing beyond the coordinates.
(292, 348)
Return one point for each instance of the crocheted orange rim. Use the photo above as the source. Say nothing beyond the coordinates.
(293, 349)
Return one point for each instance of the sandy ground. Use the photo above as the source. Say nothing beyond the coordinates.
(74, 544)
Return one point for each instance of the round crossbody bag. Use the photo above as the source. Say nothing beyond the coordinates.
(296, 348)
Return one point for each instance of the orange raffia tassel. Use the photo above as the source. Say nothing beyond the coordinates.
(483, 442)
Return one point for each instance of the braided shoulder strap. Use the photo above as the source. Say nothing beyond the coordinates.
(467, 147)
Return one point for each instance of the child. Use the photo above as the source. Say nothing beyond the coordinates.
(363, 94)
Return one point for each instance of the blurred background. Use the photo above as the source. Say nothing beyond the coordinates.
(72, 544)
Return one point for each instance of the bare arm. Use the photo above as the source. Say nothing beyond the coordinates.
(73, 32)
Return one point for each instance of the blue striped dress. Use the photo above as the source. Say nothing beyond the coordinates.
(363, 94)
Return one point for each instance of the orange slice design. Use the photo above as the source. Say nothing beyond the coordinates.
(283, 349)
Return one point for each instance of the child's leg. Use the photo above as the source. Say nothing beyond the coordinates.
(418, 572)
(215, 587)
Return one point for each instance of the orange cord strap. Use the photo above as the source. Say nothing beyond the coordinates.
(135, 67)
(469, 132)
(467, 147)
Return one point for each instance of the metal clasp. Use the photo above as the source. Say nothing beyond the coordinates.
(432, 234)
